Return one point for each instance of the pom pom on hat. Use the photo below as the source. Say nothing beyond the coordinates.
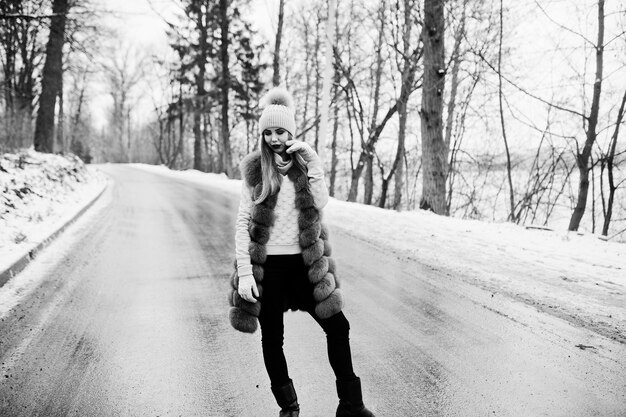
(278, 110)
(278, 96)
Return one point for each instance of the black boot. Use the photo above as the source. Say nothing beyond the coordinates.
(351, 400)
(287, 400)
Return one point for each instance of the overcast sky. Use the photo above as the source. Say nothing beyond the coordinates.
(139, 20)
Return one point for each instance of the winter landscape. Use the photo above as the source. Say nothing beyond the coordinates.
(473, 152)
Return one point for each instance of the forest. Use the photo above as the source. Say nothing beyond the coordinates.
(479, 109)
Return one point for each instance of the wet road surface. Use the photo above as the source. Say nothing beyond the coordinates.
(130, 319)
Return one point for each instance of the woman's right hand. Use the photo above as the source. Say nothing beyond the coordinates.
(303, 148)
(247, 288)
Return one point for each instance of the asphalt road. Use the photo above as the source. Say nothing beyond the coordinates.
(129, 318)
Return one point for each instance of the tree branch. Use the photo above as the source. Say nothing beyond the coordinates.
(565, 28)
(523, 90)
(28, 16)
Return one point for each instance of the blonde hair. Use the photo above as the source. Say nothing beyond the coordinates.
(269, 171)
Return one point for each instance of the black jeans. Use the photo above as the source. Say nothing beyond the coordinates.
(286, 277)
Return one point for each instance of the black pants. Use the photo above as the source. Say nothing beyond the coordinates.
(286, 277)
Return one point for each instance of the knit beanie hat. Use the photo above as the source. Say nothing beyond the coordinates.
(278, 111)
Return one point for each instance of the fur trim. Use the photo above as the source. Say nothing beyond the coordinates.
(324, 288)
(256, 191)
(259, 233)
(324, 233)
(263, 215)
(327, 248)
(250, 308)
(258, 253)
(250, 168)
(318, 270)
(313, 252)
(332, 267)
(331, 305)
(234, 278)
(300, 183)
(242, 321)
(258, 273)
(310, 235)
(304, 201)
(307, 217)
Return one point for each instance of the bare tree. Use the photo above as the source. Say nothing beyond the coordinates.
(200, 13)
(372, 123)
(369, 181)
(435, 153)
(502, 123)
(226, 156)
(582, 156)
(408, 70)
(20, 52)
(609, 163)
(52, 78)
(279, 36)
(336, 80)
(123, 74)
(329, 44)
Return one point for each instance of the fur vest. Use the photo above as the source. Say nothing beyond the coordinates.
(313, 239)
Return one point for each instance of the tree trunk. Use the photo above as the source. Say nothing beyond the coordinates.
(355, 176)
(198, 108)
(451, 110)
(398, 162)
(435, 153)
(368, 180)
(333, 159)
(225, 89)
(180, 148)
(327, 80)
(399, 174)
(76, 119)
(384, 187)
(609, 162)
(307, 75)
(368, 152)
(369, 172)
(582, 158)
(336, 79)
(197, 135)
(512, 216)
(20, 56)
(60, 130)
(408, 75)
(51, 79)
(129, 136)
(279, 35)
(316, 64)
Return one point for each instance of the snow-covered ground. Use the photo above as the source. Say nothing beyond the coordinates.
(40, 194)
(577, 277)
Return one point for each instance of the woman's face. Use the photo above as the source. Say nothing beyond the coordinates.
(275, 138)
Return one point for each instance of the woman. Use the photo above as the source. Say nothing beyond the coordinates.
(283, 256)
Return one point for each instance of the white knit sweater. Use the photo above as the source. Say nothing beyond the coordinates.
(284, 234)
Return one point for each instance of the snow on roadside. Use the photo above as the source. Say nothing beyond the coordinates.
(40, 193)
(577, 277)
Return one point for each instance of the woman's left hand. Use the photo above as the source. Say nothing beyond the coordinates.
(306, 152)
